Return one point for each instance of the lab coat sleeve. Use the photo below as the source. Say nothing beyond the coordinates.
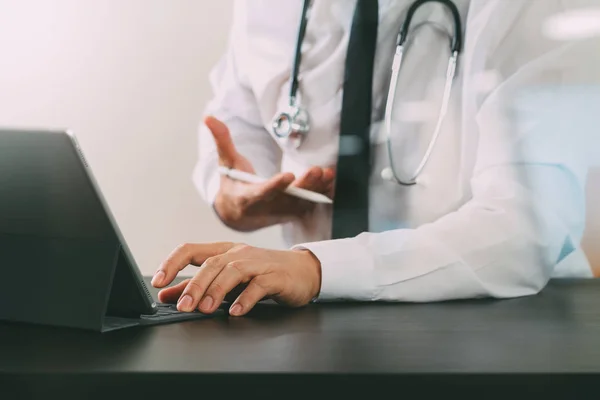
(234, 103)
(503, 243)
(526, 213)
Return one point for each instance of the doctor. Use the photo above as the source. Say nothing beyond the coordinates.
(436, 195)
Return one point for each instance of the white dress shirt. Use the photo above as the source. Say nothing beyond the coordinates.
(492, 214)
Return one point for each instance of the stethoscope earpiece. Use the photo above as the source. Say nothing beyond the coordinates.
(387, 174)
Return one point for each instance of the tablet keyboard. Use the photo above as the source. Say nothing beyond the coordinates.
(163, 310)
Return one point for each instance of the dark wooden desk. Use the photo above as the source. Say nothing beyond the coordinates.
(458, 345)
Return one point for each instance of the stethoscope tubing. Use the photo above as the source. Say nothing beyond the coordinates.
(297, 121)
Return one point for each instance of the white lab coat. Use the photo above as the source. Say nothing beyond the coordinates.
(489, 218)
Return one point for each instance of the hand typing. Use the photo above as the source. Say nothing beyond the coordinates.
(289, 277)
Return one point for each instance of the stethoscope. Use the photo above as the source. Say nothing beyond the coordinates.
(294, 123)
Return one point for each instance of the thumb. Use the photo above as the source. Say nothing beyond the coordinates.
(269, 189)
(227, 152)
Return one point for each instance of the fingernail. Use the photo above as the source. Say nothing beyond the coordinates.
(235, 309)
(206, 303)
(158, 278)
(185, 303)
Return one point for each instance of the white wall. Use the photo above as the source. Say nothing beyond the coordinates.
(130, 77)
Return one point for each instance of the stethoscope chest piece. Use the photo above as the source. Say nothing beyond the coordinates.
(292, 125)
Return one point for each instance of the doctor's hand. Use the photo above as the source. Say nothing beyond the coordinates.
(248, 207)
(291, 278)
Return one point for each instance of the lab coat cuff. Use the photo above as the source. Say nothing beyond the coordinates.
(346, 270)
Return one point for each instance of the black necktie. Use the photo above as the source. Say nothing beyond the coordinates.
(351, 203)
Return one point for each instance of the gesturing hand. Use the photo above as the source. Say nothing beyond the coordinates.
(289, 277)
(247, 207)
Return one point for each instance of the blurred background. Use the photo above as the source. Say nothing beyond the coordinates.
(130, 78)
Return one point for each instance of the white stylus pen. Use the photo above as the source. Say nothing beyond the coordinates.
(291, 190)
